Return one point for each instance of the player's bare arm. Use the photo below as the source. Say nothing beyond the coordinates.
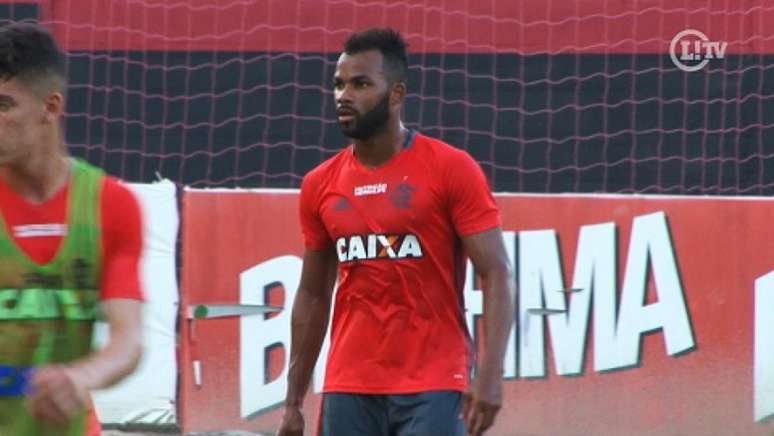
(487, 252)
(61, 391)
(309, 323)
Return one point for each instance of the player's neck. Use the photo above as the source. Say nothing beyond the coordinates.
(38, 178)
(380, 148)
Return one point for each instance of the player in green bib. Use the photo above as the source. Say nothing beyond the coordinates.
(60, 253)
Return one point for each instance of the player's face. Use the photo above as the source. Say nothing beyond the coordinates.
(24, 121)
(362, 94)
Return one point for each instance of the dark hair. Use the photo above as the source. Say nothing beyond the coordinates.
(389, 42)
(29, 52)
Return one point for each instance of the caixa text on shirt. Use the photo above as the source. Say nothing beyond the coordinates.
(378, 246)
(41, 304)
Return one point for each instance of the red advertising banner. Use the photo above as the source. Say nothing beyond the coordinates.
(636, 315)
(238, 247)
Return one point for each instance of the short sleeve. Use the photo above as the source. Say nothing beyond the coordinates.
(470, 201)
(122, 242)
(313, 230)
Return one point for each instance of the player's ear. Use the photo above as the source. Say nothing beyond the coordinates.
(55, 106)
(398, 93)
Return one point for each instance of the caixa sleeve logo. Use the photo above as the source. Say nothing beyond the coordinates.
(378, 246)
(691, 50)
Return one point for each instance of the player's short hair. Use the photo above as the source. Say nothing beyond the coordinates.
(389, 42)
(29, 53)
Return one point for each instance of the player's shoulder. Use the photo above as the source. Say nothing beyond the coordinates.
(117, 194)
(440, 152)
(324, 170)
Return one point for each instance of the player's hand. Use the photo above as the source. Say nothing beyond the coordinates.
(481, 404)
(57, 394)
(292, 422)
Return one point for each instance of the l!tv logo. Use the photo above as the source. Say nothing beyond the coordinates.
(691, 50)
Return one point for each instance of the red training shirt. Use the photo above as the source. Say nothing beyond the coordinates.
(398, 324)
(121, 233)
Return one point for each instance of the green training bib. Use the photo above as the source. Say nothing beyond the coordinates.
(47, 312)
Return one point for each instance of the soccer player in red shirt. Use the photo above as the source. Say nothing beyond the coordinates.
(395, 214)
(70, 237)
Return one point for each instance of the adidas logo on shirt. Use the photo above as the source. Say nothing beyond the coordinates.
(378, 246)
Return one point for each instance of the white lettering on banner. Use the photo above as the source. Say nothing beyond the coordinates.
(651, 243)
(542, 294)
(764, 347)
(541, 279)
(258, 335)
(474, 305)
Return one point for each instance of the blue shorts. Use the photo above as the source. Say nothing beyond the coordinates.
(423, 414)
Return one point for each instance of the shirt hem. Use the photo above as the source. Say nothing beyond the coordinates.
(392, 389)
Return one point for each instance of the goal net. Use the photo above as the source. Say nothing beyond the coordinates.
(547, 96)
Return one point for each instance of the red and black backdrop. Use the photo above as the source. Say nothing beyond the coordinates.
(548, 96)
